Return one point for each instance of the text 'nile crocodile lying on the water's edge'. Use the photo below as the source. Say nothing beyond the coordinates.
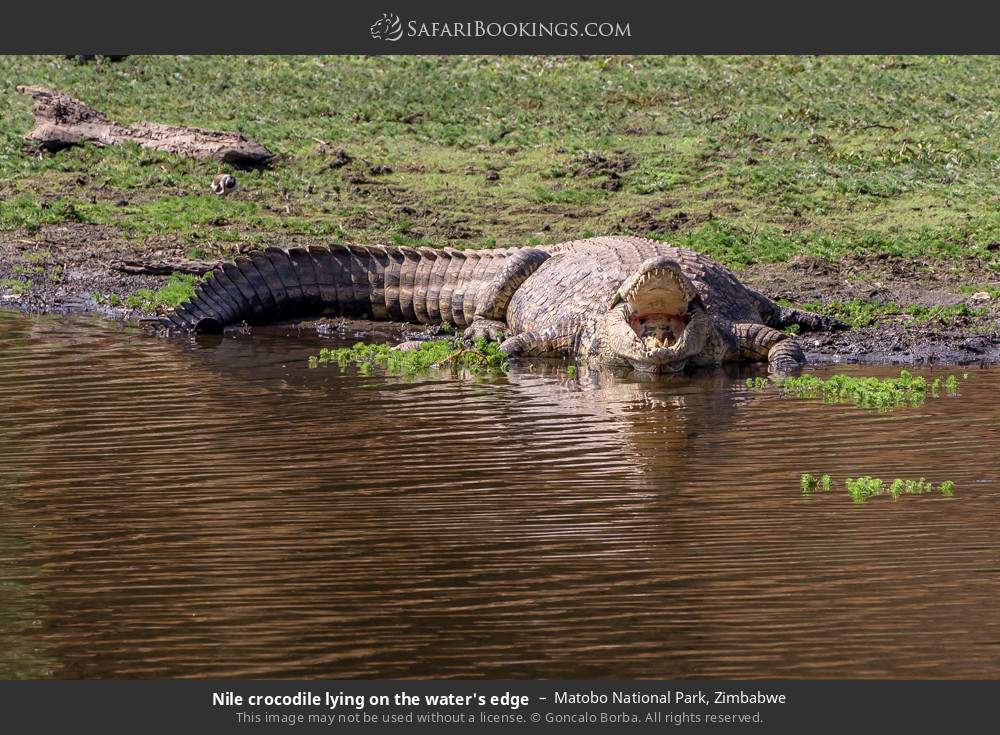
(609, 300)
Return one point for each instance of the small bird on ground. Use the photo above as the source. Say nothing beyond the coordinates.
(222, 184)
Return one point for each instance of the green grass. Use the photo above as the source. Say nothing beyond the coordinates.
(16, 286)
(481, 357)
(860, 313)
(179, 288)
(107, 299)
(37, 256)
(765, 157)
(992, 291)
(28, 270)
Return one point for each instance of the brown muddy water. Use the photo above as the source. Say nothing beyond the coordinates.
(181, 509)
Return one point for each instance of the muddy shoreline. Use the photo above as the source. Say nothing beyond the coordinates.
(72, 270)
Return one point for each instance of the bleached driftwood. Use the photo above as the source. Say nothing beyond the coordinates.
(62, 121)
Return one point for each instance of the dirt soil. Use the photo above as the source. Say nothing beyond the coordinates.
(898, 339)
(71, 265)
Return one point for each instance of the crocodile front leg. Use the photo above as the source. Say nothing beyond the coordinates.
(491, 329)
(758, 342)
(491, 310)
(560, 340)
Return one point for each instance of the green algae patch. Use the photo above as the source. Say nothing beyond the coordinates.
(862, 489)
(877, 393)
(481, 357)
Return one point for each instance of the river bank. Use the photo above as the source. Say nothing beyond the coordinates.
(902, 310)
(864, 187)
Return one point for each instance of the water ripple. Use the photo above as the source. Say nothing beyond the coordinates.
(175, 509)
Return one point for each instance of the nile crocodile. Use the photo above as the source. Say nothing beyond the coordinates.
(613, 300)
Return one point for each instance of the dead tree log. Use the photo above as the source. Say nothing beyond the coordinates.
(164, 268)
(61, 122)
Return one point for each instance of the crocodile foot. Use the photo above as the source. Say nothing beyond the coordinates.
(490, 329)
(809, 321)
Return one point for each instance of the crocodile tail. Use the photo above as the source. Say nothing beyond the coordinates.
(280, 284)
(380, 283)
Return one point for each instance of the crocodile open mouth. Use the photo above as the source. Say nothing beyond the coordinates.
(656, 307)
(656, 321)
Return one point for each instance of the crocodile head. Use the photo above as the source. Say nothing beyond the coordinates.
(656, 321)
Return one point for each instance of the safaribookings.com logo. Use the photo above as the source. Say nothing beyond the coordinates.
(390, 28)
(387, 28)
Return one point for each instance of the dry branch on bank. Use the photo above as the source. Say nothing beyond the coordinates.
(163, 268)
(62, 121)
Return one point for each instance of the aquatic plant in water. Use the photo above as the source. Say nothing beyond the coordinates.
(810, 484)
(863, 488)
(879, 393)
(481, 357)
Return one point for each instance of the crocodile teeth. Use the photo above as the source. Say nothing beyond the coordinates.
(648, 276)
(651, 344)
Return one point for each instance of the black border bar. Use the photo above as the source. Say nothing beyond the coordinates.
(509, 706)
(335, 26)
